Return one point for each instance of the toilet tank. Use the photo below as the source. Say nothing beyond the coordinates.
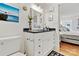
(9, 45)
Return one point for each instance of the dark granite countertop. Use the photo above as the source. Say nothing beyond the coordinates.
(41, 31)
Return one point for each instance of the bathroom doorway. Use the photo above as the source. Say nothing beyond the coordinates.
(69, 29)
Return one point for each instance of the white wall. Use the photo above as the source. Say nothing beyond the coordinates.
(9, 29)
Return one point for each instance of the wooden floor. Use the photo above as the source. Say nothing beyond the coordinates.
(69, 49)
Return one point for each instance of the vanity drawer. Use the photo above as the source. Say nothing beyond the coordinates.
(38, 47)
(38, 41)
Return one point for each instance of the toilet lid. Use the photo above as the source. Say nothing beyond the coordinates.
(18, 54)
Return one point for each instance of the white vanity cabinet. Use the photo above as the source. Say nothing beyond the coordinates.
(39, 44)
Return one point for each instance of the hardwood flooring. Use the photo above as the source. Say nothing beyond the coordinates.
(69, 49)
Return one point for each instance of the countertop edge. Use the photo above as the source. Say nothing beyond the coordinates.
(27, 30)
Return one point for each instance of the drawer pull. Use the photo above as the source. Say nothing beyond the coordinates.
(2, 43)
(39, 46)
(39, 52)
(38, 39)
(28, 39)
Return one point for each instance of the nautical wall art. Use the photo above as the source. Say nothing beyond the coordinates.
(9, 13)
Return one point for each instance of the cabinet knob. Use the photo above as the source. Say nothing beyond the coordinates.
(38, 39)
(39, 46)
(28, 39)
(39, 52)
(2, 43)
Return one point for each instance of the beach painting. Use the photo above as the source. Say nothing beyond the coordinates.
(9, 13)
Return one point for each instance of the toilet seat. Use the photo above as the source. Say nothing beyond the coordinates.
(18, 54)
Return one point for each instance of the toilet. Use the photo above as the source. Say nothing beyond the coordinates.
(10, 46)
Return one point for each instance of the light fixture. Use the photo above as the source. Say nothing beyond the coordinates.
(24, 8)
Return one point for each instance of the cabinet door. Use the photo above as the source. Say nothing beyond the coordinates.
(29, 47)
(29, 44)
(48, 42)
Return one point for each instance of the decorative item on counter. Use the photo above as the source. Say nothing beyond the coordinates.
(30, 22)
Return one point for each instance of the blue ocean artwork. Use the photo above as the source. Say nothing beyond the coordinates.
(11, 13)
